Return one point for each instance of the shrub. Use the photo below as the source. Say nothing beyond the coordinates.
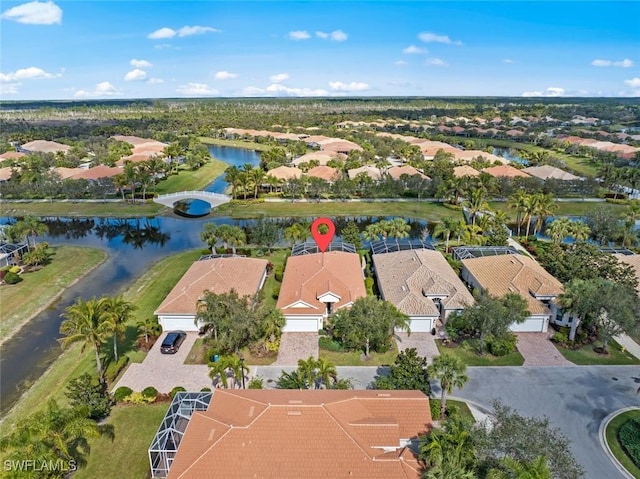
(559, 337)
(434, 406)
(502, 346)
(256, 383)
(279, 273)
(329, 344)
(14, 269)
(150, 392)
(629, 437)
(85, 391)
(115, 367)
(368, 284)
(175, 391)
(122, 393)
(276, 292)
(205, 390)
(138, 398)
(12, 278)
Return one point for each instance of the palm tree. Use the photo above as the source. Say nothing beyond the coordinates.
(219, 369)
(53, 434)
(149, 326)
(536, 469)
(545, 206)
(120, 182)
(372, 232)
(232, 176)
(119, 312)
(156, 167)
(236, 237)
(580, 231)
(245, 183)
(257, 177)
(326, 372)
(450, 370)
(476, 203)
(518, 202)
(395, 228)
(30, 227)
(445, 229)
(529, 209)
(292, 380)
(297, 232)
(130, 173)
(238, 369)
(209, 235)
(86, 322)
(559, 229)
(307, 369)
(144, 178)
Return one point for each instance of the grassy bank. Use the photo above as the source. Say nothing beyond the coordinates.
(586, 356)
(188, 180)
(355, 358)
(21, 302)
(146, 292)
(472, 358)
(68, 208)
(611, 434)
(247, 145)
(125, 456)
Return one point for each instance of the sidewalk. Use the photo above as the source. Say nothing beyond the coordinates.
(629, 344)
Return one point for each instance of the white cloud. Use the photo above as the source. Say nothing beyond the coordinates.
(136, 75)
(9, 88)
(429, 37)
(155, 81)
(196, 89)
(507, 60)
(299, 35)
(225, 75)
(549, 92)
(185, 31)
(400, 63)
(35, 13)
(140, 63)
(252, 91)
(348, 87)
(31, 73)
(188, 31)
(162, 46)
(278, 89)
(436, 62)
(336, 35)
(626, 63)
(103, 89)
(278, 78)
(633, 83)
(412, 49)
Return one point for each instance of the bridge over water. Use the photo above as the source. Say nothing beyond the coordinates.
(214, 199)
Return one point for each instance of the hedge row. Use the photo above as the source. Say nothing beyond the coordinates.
(629, 437)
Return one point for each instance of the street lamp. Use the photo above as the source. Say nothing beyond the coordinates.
(242, 370)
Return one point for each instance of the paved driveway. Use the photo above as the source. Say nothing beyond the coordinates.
(423, 342)
(295, 346)
(166, 371)
(538, 350)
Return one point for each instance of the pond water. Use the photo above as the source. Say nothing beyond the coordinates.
(510, 154)
(133, 246)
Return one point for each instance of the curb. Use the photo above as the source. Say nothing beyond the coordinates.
(605, 445)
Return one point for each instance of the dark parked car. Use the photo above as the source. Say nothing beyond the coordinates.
(172, 342)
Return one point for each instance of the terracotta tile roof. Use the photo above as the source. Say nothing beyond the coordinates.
(285, 172)
(505, 171)
(632, 260)
(5, 173)
(546, 172)
(324, 173)
(322, 157)
(465, 170)
(469, 155)
(66, 173)
(288, 434)
(219, 275)
(308, 276)
(520, 274)
(396, 172)
(45, 146)
(338, 145)
(100, 171)
(372, 172)
(12, 155)
(132, 140)
(405, 277)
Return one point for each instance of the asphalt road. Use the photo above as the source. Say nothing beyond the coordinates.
(575, 399)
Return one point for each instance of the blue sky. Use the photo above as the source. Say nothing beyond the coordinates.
(54, 50)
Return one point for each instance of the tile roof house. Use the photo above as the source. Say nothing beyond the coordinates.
(44, 146)
(325, 173)
(545, 172)
(293, 434)
(220, 275)
(316, 285)
(396, 172)
(285, 173)
(502, 274)
(322, 157)
(372, 172)
(422, 285)
(12, 155)
(465, 170)
(505, 171)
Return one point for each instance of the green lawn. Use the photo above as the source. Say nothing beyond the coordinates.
(568, 208)
(126, 456)
(271, 284)
(21, 302)
(616, 448)
(69, 208)
(187, 180)
(587, 356)
(146, 292)
(471, 358)
(463, 409)
(247, 145)
(355, 358)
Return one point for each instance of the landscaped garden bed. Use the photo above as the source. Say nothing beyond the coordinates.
(623, 438)
(467, 351)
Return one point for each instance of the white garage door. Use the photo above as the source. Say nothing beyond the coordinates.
(421, 325)
(531, 325)
(301, 326)
(181, 323)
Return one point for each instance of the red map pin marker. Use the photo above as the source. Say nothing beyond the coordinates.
(323, 240)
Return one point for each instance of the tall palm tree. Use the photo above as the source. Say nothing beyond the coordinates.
(130, 173)
(120, 182)
(236, 237)
(518, 202)
(257, 177)
(297, 232)
(119, 312)
(545, 206)
(232, 176)
(149, 326)
(445, 229)
(30, 227)
(307, 368)
(529, 209)
(219, 369)
(209, 235)
(86, 322)
(396, 228)
(476, 203)
(238, 369)
(580, 231)
(451, 372)
(559, 229)
(536, 469)
(372, 232)
(326, 372)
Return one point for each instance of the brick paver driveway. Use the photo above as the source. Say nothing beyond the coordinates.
(423, 342)
(538, 350)
(166, 371)
(294, 346)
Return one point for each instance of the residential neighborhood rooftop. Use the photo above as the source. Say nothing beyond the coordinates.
(546, 172)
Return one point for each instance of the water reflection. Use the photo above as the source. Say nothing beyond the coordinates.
(192, 208)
